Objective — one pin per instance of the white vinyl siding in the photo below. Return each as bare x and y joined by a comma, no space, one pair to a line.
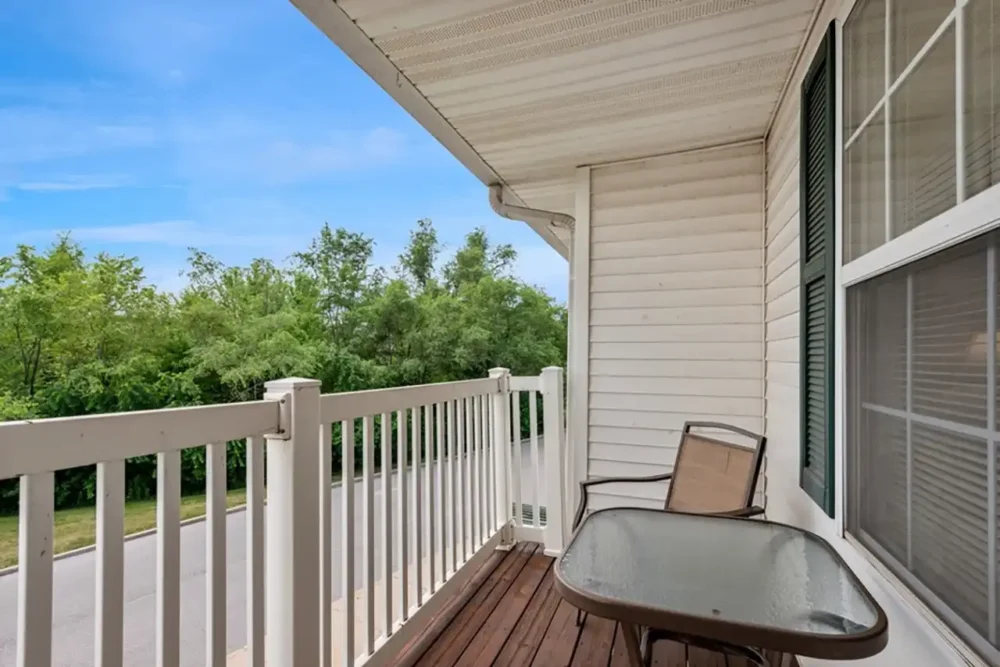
675,309
781,295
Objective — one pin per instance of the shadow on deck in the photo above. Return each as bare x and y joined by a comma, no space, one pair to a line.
509,615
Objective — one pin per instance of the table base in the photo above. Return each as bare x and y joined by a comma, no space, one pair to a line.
639,648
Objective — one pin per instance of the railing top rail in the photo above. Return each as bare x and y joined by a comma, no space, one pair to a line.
525,383
34,446
349,405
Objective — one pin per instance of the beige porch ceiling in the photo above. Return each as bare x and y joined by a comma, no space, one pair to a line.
526,91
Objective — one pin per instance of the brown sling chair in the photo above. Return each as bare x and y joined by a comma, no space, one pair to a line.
710,476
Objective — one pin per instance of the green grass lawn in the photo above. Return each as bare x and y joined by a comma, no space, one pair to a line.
75,528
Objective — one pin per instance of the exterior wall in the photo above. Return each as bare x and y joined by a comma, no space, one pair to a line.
916,637
675,308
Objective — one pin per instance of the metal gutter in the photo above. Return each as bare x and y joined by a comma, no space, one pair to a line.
532,216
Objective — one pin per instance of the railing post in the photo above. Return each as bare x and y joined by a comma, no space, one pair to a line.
501,453
552,404
292,549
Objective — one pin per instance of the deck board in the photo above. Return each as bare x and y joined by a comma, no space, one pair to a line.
515,618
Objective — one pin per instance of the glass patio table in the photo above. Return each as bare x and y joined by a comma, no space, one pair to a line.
727,584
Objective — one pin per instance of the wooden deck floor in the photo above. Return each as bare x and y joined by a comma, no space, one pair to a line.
509,615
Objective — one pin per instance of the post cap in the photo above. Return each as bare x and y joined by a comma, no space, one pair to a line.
288,384
497,372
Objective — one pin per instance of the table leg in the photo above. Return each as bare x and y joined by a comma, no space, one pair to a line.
631,635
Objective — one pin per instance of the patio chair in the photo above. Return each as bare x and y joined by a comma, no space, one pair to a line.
710,476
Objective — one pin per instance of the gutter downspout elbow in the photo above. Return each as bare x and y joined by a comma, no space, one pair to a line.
524,214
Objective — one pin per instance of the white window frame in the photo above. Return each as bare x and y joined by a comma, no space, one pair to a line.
970,217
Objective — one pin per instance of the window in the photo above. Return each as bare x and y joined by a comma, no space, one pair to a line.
921,135
907,157
816,238
923,428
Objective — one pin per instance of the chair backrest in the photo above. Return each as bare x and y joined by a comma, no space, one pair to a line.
712,475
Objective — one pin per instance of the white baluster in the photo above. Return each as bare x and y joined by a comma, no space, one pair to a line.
387,519
418,514
325,545
255,551
34,558
347,541
110,594
403,513
368,564
215,554
429,480
168,559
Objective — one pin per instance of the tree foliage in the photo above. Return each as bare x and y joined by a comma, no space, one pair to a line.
85,335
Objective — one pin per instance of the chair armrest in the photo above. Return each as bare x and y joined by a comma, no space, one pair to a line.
581,509
743,513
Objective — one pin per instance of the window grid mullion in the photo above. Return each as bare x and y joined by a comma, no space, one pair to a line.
991,424
960,101
887,77
909,421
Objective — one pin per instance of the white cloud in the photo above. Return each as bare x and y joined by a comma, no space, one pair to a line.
240,149
176,233
76,183
33,134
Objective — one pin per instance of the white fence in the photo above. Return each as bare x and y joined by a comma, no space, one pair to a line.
456,487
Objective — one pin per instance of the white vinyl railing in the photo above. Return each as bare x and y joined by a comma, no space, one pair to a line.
452,485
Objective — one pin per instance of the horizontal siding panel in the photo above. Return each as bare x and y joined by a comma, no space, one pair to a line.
697,187
677,369
693,279
661,454
784,260
678,245
675,333
783,350
784,327
651,496
706,315
707,261
685,208
744,407
786,230
674,387
665,420
664,298
607,468
783,303
659,229
783,372
783,283
674,169
680,351
643,437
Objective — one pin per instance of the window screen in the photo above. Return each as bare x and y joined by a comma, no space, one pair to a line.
923,410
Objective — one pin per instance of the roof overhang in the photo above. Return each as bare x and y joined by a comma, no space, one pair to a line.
524,92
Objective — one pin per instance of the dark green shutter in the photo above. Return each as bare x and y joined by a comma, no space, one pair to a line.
816,236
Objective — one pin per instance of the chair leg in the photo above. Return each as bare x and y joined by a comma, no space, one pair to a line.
581,617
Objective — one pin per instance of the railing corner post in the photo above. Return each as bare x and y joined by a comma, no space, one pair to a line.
292,543
552,405
501,453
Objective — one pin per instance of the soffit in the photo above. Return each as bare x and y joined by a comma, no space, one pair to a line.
538,88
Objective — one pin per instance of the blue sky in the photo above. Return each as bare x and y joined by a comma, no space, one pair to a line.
233,126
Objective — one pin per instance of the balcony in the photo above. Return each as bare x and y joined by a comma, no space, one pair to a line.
470,489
